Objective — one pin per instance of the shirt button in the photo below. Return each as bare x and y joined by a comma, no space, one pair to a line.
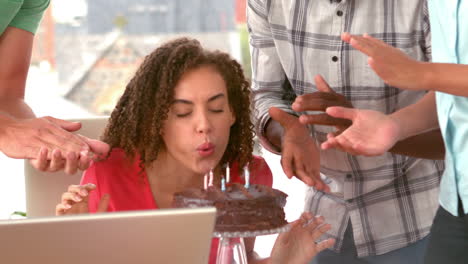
339,13
335,58
349,176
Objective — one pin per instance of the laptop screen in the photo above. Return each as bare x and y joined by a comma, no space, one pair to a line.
156,236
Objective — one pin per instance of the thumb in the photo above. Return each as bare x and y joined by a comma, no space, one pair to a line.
67,125
97,146
342,112
103,203
282,117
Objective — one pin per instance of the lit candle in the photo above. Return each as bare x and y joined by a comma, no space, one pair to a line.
211,178
247,176
223,184
205,181
228,178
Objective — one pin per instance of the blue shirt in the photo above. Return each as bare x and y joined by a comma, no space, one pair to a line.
449,28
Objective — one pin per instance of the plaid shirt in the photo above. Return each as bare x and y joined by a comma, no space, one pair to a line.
389,199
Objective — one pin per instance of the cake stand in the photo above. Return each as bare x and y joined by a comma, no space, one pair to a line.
231,249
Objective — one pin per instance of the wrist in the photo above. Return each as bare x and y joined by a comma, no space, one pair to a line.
427,74
401,132
5,122
274,133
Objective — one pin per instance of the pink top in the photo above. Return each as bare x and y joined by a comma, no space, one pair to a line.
129,190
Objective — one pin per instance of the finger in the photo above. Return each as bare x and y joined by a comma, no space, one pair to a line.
324,119
286,120
285,236
61,209
346,144
57,161
101,149
342,112
327,243
287,163
302,175
71,198
375,41
312,223
329,143
71,164
67,125
332,142
364,45
41,163
82,190
84,161
103,203
346,37
319,231
322,85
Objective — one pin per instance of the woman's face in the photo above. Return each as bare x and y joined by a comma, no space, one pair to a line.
196,132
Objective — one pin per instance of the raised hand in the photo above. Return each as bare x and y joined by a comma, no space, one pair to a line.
49,145
298,245
320,101
372,133
75,200
300,155
389,63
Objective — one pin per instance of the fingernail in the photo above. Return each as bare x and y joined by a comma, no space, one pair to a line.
77,198
83,192
91,185
67,206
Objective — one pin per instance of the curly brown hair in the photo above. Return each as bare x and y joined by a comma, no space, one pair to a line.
136,122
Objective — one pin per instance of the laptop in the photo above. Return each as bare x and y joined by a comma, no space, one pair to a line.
44,189
156,236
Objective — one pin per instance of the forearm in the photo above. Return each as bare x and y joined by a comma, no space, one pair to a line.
15,52
428,145
446,77
417,118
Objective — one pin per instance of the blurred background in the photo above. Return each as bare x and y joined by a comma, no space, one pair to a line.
86,51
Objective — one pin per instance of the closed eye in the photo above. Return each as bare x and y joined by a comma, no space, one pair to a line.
183,115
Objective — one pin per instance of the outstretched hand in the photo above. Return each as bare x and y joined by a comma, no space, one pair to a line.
372,133
389,63
49,144
75,200
298,245
300,155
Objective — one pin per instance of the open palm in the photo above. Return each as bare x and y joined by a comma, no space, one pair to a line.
372,133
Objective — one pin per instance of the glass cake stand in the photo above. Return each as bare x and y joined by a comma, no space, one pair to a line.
231,249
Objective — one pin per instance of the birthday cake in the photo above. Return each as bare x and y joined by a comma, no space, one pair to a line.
239,209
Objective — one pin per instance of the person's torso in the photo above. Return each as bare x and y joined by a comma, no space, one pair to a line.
450,45
307,39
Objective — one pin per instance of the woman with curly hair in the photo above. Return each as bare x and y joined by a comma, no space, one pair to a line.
185,112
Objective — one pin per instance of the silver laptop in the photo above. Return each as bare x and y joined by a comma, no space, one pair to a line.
159,236
43,189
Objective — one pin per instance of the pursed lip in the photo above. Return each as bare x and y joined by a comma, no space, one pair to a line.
206,149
